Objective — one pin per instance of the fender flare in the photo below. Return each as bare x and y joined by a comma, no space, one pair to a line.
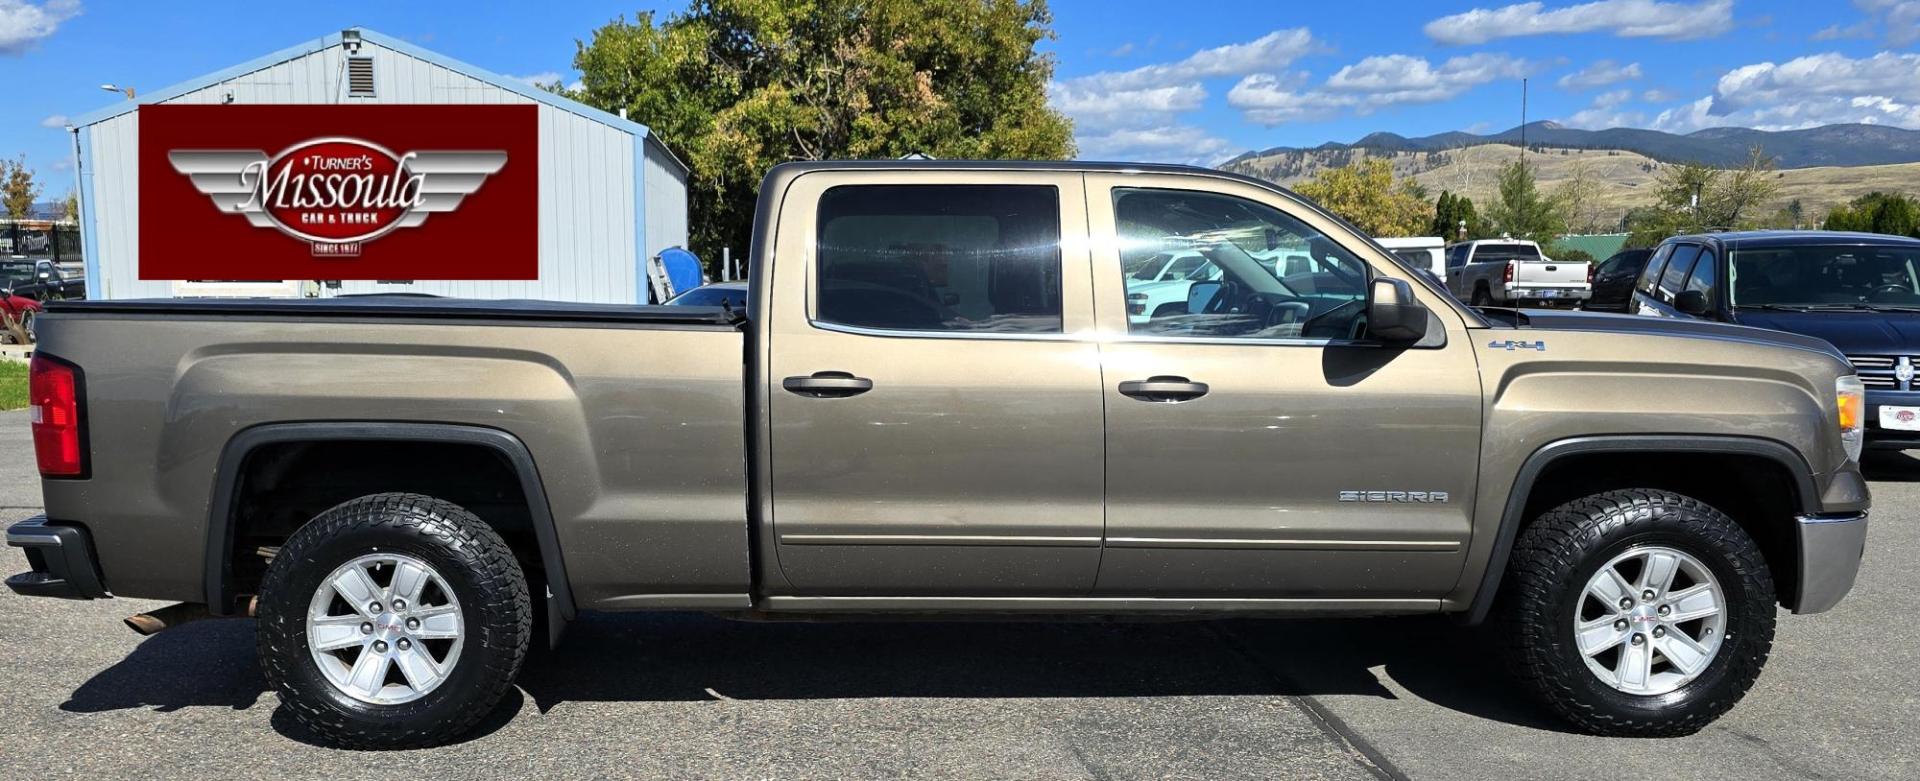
1511,517
233,458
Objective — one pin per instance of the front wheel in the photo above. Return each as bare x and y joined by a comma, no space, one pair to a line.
393,621
1638,613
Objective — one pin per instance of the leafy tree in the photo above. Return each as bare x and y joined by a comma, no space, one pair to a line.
70,206
1579,198
736,86
1890,213
1366,194
1739,195
1521,210
17,188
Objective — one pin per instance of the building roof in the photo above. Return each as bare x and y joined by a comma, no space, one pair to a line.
1600,245
379,39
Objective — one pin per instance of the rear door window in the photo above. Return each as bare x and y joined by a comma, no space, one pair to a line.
973,258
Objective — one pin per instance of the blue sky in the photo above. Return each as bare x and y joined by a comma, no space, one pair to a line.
1183,82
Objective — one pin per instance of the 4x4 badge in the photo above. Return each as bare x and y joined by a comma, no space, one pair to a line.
1517,344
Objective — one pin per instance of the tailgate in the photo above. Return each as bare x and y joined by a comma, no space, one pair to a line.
1549,273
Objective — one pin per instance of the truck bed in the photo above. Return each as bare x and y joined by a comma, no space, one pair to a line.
633,417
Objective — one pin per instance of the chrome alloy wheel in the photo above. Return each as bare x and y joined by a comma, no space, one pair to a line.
1650,621
385,628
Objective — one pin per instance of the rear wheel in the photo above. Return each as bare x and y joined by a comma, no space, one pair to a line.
393,621
1637,612
26,324
1481,297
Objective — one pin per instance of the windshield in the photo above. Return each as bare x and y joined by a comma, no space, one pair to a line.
17,274
1826,277
712,295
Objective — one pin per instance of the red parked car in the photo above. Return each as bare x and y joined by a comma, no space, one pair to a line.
24,310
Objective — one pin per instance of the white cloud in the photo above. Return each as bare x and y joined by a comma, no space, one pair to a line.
1131,114
1901,18
1159,144
1600,74
1605,112
55,120
1658,95
1094,108
1808,91
23,24
1624,18
1272,51
1122,50
1369,85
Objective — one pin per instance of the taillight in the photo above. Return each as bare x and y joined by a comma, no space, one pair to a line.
1507,276
53,388
1590,269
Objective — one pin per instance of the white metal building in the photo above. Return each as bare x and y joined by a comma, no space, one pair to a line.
611,195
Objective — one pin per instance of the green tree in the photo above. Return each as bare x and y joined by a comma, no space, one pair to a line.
737,86
70,206
1521,211
1735,200
1450,212
18,190
1366,194
1877,212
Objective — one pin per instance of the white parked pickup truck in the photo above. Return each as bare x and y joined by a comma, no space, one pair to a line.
1512,272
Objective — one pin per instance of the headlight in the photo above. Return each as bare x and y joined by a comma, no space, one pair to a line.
1852,404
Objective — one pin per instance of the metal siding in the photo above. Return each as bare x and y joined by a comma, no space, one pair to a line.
666,204
589,242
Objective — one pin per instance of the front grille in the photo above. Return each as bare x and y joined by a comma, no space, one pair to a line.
1885,372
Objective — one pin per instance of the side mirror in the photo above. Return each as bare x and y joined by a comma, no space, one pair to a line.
1199,295
1393,314
1691,302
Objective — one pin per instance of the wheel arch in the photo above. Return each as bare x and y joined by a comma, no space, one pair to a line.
235,455
1804,494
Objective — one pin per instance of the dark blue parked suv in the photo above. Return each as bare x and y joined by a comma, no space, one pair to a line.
1858,291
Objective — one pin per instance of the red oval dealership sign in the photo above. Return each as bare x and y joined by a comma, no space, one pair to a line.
338,192
336,189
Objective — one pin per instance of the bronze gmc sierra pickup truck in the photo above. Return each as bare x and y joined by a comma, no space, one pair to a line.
938,401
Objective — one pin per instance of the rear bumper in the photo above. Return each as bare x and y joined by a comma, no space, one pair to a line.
60,558
1831,547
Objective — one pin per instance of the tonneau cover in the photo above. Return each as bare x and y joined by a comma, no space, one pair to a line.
410,307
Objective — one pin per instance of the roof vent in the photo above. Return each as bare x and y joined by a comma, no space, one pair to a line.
359,77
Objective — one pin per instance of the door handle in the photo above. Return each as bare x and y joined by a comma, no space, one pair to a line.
1163,388
828,385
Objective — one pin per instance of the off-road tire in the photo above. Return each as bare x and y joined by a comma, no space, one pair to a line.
494,605
1554,557
1481,297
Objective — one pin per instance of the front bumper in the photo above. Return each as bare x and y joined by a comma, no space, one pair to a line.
61,561
1831,546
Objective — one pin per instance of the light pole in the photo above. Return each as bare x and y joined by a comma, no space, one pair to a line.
128,91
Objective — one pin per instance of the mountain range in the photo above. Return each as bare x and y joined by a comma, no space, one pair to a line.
1827,145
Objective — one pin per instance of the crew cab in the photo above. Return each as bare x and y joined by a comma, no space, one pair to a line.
937,402
1512,272
1858,291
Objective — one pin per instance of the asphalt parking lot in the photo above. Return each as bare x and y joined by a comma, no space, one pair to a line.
682,696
